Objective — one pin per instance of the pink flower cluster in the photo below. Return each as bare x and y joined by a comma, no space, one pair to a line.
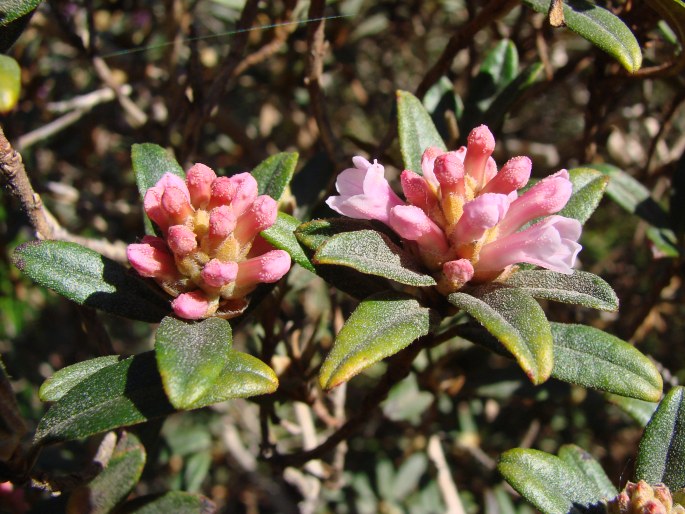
463,217
210,256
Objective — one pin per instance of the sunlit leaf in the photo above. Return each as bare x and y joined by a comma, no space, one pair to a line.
274,173
588,466
10,83
281,235
416,130
65,379
588,189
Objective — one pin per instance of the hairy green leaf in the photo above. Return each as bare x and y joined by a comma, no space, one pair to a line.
661,457
416,130
381,326
588,189
592,358
517,321
65,379
282,235
275,173
190,357
600,27
588,466
372,253
579,288
89,279
176,502
552,485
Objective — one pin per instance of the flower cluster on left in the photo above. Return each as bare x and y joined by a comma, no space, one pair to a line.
209,256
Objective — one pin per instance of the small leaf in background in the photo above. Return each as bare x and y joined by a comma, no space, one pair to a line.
190,357
122,394
588,466
592,358
10,83
661,457
281,235
406,402
380,326
588,189
373,253
90,279
517,321
641,411
65,379
600,27
673,12
275,173
579,288
416,130
113,483
150,162
176,502
442,101
552,485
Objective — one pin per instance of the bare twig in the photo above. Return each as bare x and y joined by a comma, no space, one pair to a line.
448,488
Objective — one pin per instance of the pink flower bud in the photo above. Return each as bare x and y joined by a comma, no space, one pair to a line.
449,171
267,268
217,273
364,192
481,144
481,214
550,244
417,192
171,180
413,224
176,204
513,175
222,223
152,203
151,261
181,240
428,163
458,272
193,305
222,192
246,191
546,197
199,179
260,216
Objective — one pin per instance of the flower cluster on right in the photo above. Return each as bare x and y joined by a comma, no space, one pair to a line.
462,216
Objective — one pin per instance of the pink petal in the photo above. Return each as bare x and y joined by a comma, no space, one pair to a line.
181,240
449,171
171,180
551,244
222,222
193,305
151,262
481,214
218,273
222,192
458,272
411,223
246,191
199,179
548,196
481,144
513,176
364,194
152,203
428,163
260,216
176,204
267,268
417,192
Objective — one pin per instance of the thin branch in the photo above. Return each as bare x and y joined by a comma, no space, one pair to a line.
448,488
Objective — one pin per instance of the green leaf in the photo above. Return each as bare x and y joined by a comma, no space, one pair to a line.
122,394
588,466
673,12
588,189
552,485
640,410
178,502
282,235
579,288
243,376
373,253
150,163
65,379
592,358
89,279
14,17
600,27
313,234
10,83
517,321
661,457
274,174
381,326
416,130
112,484
506,98
190,357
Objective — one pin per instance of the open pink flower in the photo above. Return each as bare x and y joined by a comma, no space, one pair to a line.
364,192
464,218
208,226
